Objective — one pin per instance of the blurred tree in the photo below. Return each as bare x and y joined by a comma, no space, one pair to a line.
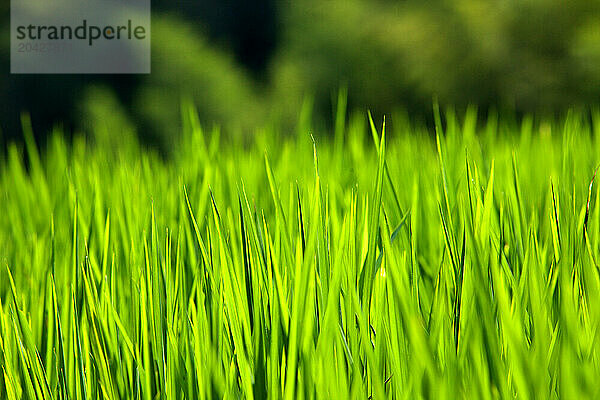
248,31
534,55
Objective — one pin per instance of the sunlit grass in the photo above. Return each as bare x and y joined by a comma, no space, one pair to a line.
402,264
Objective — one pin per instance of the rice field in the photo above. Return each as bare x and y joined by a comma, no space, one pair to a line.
402,263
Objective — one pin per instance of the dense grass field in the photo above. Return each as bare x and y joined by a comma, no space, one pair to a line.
460,263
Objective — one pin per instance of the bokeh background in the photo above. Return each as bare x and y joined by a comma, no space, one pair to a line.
247,64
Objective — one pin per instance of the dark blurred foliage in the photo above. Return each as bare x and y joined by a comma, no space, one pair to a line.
247,63
531,55
248,29
208,51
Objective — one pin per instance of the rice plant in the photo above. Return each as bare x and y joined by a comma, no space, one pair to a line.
373,263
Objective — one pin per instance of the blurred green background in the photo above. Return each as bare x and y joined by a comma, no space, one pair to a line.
247,64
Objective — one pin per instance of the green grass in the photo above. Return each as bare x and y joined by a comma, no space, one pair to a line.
461,264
